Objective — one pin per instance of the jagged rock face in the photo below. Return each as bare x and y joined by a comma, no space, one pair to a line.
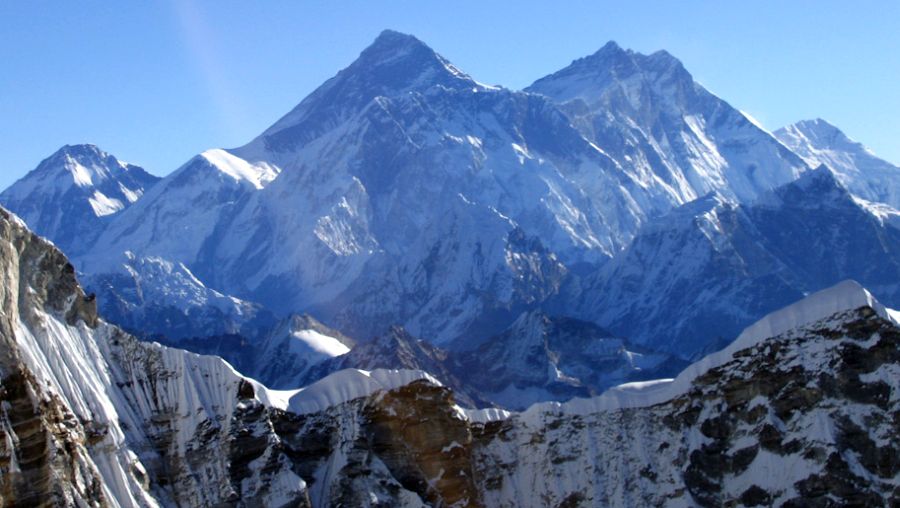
799,399
93,417
805,418
43,456
71,196
408,447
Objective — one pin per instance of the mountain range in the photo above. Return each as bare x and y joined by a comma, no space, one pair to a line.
610,223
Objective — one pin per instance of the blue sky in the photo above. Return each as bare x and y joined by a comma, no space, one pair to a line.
157,82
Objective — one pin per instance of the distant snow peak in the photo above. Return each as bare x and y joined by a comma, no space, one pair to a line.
855,166
70,196
391,44
406,53
394,65
88,165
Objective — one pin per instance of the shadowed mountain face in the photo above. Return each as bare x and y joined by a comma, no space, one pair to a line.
538,358
697,276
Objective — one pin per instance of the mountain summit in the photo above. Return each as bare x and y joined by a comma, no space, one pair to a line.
393,64
675,138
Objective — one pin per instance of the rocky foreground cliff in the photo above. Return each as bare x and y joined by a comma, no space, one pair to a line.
90,416
802,410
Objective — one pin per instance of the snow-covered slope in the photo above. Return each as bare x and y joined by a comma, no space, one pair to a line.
692,279
139,265
72,194
348,385
854,165
175,217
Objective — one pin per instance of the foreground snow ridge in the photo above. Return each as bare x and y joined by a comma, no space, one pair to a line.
344,386
846,295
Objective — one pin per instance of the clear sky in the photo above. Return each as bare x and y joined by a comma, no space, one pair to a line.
157,82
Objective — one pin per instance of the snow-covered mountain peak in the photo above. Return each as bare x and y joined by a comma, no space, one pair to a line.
819,141
84,161
855,166
610,51
819,132
671,135
588,77
391,45
70,195
402,61
819,178
85,166
285,355
305,334
394,64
